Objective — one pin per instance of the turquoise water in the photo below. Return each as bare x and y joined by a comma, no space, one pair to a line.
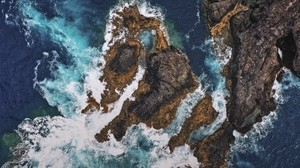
148,39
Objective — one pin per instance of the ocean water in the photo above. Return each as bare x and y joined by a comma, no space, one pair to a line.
51,53
275,141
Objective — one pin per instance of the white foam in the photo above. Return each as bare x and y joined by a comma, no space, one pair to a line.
36,68
93,84
54,61
184,109
290,80
160,155
223,51
35,79
249,141
279,52
108,35
58,144
216,65
181,157
128,91
148,10
69,141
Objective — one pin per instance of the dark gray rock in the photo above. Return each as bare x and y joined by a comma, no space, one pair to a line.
255,62
296,37
219,9
168,72
125,59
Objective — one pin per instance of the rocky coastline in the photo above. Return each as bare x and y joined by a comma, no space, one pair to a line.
255,30
257,33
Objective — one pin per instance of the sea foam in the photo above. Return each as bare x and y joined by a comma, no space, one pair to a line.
216,59
68,140
250,142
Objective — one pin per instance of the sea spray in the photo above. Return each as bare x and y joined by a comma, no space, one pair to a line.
54,142
216,60
249,142
185,107
64,89
68,140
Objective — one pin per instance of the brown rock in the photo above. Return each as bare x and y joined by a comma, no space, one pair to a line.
123,58
92,104
158,95
219,9
121,67
212,151
202,114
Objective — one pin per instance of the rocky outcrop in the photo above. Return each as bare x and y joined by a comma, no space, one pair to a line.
123,58
296,42
255,62
158,96
202,114
217,10
256,30
121,67
213,150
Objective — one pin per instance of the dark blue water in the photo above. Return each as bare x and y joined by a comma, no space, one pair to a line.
281,147
18,58
192,28
18,98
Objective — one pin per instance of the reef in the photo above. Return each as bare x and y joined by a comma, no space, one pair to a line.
255,30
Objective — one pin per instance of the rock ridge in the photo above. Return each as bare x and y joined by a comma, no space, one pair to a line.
257,33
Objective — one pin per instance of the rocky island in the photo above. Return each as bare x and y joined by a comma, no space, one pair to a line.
255,30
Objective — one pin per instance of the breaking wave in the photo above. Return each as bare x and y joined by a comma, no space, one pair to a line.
249,142
75,68
215,61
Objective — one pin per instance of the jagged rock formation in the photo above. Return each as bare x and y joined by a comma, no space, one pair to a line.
255,62
123,58
256,32
202,114
167,80
158,95
210,151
